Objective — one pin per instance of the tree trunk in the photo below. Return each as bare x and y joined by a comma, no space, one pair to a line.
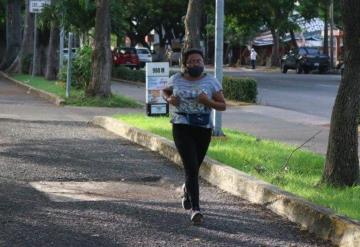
275,57
100,84
2,41
342,163
162,42
2,29
193,24
293,39
52,62
326,32
23,60
13,32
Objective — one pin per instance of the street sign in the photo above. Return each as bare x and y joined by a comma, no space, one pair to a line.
157,75
36,6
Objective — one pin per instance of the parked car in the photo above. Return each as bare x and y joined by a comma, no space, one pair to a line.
126,56
305,59
144,55
174,56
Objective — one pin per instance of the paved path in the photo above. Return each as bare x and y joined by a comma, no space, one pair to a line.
65,183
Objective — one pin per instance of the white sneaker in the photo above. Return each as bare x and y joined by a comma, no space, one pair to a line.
196,217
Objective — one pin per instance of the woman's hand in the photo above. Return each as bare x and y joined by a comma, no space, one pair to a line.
173,100
203,99
217,102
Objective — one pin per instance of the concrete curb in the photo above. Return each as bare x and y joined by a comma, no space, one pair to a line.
41,93
137,83
319,220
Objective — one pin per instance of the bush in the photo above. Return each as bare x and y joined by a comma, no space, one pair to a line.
26,63
81,69
125,73
241,89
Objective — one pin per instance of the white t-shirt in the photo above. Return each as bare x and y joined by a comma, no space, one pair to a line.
253,55
188,92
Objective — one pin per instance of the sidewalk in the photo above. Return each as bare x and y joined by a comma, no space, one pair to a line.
67,183
262,121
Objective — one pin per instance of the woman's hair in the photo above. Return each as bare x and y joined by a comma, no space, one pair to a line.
188,52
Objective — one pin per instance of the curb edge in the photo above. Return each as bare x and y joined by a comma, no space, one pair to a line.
41,93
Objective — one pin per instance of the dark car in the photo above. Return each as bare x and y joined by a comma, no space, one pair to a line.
305,59
126,56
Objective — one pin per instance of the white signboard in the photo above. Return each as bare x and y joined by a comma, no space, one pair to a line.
36,6
157,75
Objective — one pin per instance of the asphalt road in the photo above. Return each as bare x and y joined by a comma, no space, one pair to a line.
65,183
312,94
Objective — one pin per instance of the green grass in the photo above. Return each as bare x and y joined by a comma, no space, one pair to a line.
265,159
77,97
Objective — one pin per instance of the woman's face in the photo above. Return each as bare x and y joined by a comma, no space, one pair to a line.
194,60
195,65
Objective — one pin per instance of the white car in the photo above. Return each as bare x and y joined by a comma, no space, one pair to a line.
144,55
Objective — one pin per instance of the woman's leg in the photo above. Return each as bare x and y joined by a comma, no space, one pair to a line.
202,138
186,145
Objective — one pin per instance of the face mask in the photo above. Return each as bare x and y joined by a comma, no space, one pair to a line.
195,71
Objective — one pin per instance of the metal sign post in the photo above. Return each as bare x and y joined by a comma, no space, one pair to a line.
36,6
157,75
68,78
61,48
34,49
219,46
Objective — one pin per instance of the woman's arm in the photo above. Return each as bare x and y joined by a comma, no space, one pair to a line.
171,99
217,102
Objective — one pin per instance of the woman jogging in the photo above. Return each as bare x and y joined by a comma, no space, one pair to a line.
194,94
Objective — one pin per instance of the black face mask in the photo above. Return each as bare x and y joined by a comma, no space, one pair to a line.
195,71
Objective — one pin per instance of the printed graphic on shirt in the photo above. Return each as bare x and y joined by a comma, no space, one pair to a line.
188,100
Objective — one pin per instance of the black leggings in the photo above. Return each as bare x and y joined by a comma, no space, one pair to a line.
192,144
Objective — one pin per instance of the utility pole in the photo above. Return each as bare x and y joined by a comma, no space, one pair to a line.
68,78
61,47
34,48
332,34
61,43
219,47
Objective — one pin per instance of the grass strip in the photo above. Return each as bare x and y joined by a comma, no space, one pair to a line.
77,96
264,159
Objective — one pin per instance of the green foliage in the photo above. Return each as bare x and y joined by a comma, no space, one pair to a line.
311,9
241,89
125,73
26,62
77,97
78,15
81,69
2,12
161,15
119,14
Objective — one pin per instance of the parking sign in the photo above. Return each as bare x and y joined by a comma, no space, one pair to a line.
36,6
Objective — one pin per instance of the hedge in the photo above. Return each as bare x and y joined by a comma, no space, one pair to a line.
125,73
240,89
